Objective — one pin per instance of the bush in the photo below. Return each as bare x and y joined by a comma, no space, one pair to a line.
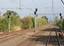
59,23
3,25
42,21
27,22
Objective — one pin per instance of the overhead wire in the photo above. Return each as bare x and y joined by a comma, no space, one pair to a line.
31,9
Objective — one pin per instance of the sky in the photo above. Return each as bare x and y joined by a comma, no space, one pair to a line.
28,7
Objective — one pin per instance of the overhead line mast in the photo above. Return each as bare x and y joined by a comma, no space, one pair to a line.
19,4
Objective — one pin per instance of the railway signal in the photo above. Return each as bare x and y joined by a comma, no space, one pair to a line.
61,20
60,15
35,13
9,24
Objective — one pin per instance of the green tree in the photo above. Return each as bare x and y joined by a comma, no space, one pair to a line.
11,16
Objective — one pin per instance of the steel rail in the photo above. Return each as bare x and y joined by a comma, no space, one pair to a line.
48,39
58,41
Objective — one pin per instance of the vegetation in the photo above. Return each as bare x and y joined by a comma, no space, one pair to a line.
3,25
12,19
27,22
59,23
42,21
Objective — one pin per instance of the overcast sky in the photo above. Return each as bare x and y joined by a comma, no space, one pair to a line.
44,7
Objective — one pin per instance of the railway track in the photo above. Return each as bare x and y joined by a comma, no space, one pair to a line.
55,40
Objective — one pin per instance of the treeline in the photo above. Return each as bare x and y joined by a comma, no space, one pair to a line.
12,19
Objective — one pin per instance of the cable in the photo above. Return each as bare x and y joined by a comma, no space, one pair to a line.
62,2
